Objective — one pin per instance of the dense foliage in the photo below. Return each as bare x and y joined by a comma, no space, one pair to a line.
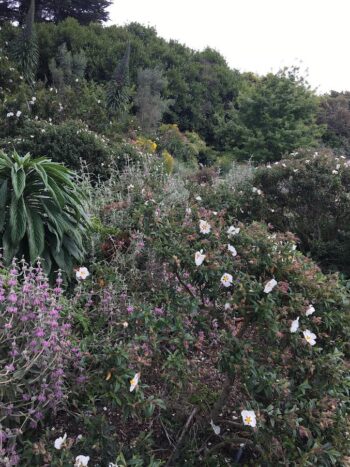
41,212
85,11
308,194
168,302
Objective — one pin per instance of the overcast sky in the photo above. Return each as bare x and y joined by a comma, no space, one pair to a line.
256,35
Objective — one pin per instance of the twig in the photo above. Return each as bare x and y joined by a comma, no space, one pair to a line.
176,451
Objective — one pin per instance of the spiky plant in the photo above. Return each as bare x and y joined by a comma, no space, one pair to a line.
118,93
41,212
26,49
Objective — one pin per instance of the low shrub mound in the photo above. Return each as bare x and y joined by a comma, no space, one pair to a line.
224,321
308,194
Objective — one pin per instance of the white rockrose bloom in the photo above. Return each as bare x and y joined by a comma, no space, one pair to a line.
295,325
269,286
199,257
249,418
226,280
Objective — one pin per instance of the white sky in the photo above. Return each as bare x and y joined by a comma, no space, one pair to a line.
256,35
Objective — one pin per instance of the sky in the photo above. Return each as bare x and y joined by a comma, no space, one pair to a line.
256,35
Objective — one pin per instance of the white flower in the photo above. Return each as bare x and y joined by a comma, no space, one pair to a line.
76,80
256,190
227,306
81,461
199,257
18,113
112,465
226,280
204,227
310,337
337,166
198,198
232,250
125,324
82,273
215,428
233,231
295,325
270,286
134,382
310,310
334,172
60,442
10,114
33,98
248,417
215,213
188,211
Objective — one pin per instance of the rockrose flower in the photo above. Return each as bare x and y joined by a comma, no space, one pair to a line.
226,280
81,461
204,227
270,286
134,382
310,310
249,418
232,231
60,442
295,325
82,273
232,250
199,258
310,337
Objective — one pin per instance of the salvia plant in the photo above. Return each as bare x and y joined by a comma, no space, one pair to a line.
37,356
41,212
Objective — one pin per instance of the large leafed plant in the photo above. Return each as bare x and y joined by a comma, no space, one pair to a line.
41,212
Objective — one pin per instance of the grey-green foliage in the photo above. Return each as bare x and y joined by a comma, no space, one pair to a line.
41,212
118,90
67,67
150,103
26,49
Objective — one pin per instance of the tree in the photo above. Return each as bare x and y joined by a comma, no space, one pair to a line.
118,92
85,11
149,101
335,114
273,116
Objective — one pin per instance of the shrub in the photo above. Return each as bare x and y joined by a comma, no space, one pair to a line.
41,212
223,345
40,365
70,143
306,193
171,139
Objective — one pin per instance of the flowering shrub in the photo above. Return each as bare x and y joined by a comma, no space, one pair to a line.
194,312
308,194
39,361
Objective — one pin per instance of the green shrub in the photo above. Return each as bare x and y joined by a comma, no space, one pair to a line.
41,212
308,194
71,143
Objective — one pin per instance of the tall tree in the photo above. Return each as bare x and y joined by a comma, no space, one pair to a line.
85,11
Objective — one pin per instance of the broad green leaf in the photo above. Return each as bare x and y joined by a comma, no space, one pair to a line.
3,199
36,237
18,178
18,219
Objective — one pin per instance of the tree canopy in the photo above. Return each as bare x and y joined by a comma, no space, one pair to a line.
85,11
